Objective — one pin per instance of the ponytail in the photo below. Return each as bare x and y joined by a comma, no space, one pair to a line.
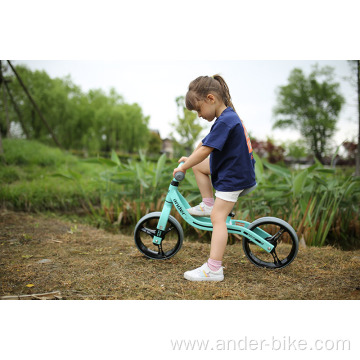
202,86
225,91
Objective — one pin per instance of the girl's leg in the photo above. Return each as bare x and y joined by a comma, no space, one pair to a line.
202,176
219,236
212,270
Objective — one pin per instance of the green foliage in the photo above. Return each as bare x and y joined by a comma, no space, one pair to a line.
30,152
296,149
311,105
93,121
134,188
27,184
188,126
9,175
155,143
321,204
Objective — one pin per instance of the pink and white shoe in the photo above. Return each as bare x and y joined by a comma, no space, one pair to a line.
203,273
200,210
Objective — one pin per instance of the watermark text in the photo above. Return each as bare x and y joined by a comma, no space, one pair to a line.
285,343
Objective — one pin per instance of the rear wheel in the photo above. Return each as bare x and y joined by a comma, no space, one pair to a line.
145,231
280,234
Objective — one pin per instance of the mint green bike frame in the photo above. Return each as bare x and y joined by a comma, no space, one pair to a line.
239,227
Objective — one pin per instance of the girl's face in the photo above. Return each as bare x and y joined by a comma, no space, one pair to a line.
207,109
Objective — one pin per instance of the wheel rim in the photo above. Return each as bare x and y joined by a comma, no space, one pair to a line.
145,232
285,246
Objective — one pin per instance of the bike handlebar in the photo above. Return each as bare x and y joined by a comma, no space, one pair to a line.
179,176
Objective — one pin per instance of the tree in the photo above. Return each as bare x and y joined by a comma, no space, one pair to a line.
311,105
1,146
188,125
37,97
357,172
155,143
355,67
92,121
296,149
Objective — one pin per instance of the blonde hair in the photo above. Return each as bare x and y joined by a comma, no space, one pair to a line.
204,85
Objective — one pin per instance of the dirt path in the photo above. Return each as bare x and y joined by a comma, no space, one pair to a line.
41,255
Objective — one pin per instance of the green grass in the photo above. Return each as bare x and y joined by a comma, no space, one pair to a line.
322,204
28,182
30,152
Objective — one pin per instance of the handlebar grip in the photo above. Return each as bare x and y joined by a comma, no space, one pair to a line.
179,176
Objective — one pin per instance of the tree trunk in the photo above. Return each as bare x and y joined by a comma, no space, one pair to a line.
6,110
34,104
17,111
315,147
2,86
357,170
2,156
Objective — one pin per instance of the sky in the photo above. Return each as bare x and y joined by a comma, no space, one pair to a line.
154,85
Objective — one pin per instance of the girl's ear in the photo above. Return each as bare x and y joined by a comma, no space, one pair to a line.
210,97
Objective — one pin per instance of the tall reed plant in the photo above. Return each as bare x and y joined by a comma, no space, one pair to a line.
320,203
317,201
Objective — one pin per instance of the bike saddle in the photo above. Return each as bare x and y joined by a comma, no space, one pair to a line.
248,190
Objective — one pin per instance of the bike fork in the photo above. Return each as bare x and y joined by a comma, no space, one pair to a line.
161,227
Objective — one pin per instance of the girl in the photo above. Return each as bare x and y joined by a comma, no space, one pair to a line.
231,166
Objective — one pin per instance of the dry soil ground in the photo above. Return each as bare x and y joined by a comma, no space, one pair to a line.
43,257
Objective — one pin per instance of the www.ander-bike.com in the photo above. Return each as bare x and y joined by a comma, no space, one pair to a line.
285,343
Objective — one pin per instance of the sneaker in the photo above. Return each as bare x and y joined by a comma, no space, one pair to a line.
203,273
200,210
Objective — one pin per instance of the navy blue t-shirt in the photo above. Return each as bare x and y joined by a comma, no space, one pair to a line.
231,162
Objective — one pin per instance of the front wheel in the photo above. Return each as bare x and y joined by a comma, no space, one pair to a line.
145,231
280,234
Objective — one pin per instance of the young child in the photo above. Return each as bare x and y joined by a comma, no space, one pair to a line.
231,166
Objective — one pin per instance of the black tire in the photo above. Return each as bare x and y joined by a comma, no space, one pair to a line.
283,237
145,230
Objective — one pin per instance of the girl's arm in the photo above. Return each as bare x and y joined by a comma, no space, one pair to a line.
199,154
199,146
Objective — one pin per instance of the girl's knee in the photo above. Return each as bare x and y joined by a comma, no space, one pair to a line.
217,218
221,211
203,167
196,168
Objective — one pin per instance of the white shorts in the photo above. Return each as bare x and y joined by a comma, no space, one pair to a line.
231,196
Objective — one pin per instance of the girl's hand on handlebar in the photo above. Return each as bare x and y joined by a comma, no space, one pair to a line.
177,170
182,159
